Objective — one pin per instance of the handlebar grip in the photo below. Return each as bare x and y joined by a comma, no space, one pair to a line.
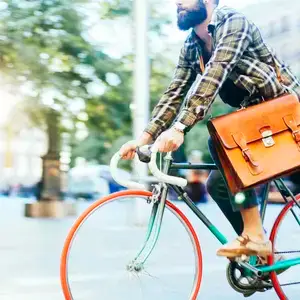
162,176
127,183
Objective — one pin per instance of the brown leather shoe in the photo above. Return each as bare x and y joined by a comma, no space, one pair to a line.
243,245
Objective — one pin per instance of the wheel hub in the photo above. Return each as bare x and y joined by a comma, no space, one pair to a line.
135,267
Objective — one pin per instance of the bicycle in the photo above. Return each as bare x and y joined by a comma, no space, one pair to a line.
245,275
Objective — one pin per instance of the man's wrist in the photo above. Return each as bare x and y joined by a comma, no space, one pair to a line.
145,139
178,126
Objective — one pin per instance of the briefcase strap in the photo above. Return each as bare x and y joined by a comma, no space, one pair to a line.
290,122
240,140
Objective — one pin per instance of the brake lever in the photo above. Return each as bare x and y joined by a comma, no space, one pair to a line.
144,153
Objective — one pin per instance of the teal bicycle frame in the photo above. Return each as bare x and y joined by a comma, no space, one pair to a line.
158,211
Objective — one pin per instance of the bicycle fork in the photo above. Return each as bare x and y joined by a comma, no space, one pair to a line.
154,226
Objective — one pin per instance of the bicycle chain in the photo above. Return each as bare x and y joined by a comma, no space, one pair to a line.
287,252
291,283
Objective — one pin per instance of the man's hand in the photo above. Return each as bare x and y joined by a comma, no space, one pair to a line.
169,140
128,150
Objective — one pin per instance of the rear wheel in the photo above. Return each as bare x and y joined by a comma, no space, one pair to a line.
285,237
105,239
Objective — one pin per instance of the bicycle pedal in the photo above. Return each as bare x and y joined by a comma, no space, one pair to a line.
244,258
249,294
241,259
266,284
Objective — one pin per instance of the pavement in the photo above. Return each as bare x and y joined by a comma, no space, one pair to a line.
30,252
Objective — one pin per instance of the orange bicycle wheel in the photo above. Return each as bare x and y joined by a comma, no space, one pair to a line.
285,237
167,272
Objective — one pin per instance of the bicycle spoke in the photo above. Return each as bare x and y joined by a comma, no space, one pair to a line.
141,285
290,283
148,274
163,283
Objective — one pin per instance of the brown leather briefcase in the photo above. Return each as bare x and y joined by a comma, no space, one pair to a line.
258,143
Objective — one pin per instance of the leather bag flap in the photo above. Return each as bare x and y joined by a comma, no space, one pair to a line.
254,120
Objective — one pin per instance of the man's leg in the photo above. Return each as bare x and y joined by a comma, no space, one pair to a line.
246,210
217,189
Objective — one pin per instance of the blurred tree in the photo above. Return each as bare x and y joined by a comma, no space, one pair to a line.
46,56
38,55
115,102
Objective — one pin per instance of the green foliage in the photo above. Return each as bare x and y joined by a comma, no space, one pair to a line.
40,39
115,9
44,45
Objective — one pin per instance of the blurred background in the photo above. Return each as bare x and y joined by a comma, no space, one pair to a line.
69,84
80,78
68,78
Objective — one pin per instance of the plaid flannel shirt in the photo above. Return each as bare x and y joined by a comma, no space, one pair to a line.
239,53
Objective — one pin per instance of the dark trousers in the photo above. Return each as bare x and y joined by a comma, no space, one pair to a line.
218,190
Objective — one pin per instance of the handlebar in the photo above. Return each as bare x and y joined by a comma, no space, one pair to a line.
144,153
162,177
114,173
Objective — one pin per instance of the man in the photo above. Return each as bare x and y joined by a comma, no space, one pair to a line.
241,69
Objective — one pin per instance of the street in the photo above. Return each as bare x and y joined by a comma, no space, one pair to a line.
30,253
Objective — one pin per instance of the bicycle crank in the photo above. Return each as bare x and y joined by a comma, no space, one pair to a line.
245,284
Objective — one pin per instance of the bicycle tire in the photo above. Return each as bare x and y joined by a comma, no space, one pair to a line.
273,236
129,193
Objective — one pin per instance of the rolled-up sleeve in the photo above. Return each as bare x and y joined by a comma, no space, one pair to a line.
169,105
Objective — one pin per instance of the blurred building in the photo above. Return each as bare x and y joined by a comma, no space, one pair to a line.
279,22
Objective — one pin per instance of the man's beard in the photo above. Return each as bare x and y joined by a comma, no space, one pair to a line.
187,19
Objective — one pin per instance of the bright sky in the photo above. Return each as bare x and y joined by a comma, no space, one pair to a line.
7,101
232,3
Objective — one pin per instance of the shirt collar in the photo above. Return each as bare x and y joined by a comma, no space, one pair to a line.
214,21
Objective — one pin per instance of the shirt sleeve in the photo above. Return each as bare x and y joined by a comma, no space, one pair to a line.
169,105
232,39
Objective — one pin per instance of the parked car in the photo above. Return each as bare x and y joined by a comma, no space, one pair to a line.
92,182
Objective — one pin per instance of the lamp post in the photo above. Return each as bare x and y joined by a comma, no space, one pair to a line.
141,84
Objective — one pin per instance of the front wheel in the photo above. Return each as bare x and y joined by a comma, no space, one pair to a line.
95,263
285,237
